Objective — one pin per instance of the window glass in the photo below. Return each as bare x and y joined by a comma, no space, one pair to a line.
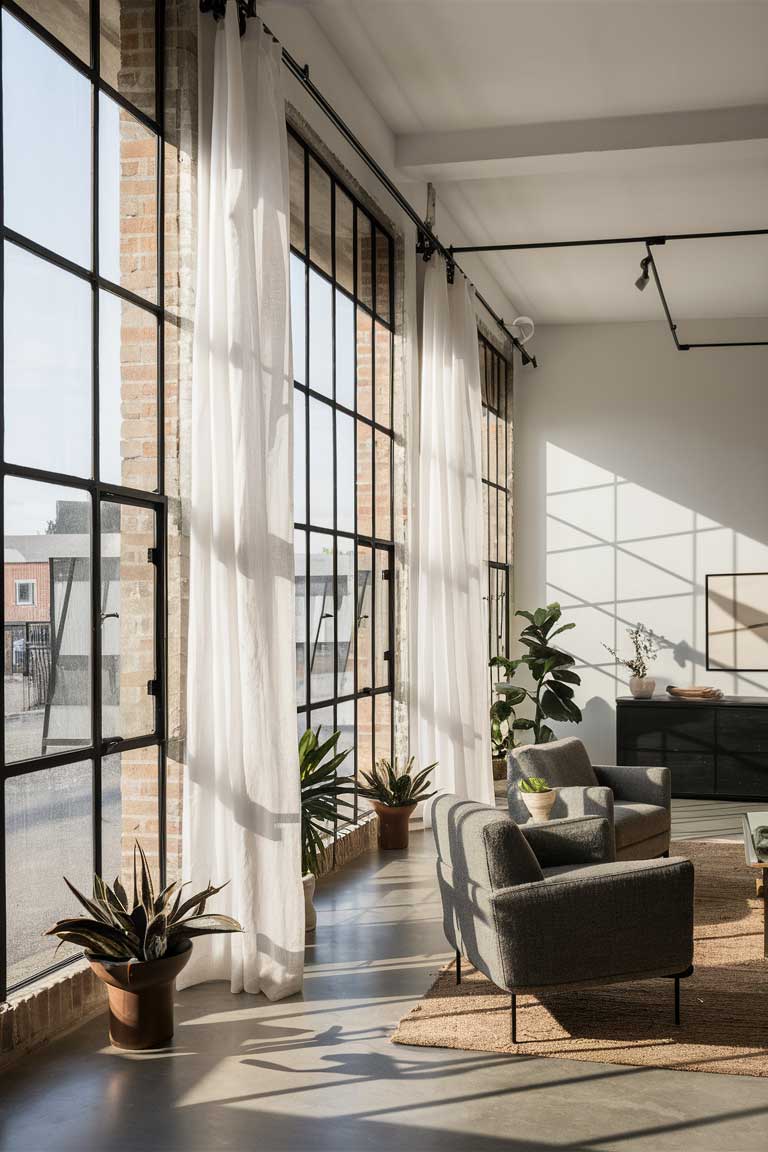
48,644
321,617
127,200
365,578
47,365
296,181
345,616
127,620
345,350
299,320
365,259
345,473
48,835
300,594
68,22
127,394
127,50
319,216
320,464
320,334
41,89
129,808
345,272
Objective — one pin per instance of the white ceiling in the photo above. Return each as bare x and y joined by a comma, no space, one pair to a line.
553,120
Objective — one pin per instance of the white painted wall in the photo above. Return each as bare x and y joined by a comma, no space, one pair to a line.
638,470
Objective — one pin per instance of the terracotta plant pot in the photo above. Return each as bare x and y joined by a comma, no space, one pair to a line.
499,767
393,825
539,804
140,998
642,687
310,915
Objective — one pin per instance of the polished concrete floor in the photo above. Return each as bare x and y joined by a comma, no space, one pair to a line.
319,1072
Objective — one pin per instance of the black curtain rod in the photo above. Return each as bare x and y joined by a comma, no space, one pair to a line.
610,240
427,240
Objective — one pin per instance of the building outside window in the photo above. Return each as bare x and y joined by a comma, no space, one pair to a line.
342,264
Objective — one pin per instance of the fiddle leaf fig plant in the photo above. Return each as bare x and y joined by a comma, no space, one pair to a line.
552,673
145,928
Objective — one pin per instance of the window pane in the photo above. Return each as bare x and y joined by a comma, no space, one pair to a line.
46,145
321,638
493,524
320,464
364,259
130,811
383,376
47,365
322,718
345,725
127,394
364,749
69,23
296,181
484,445
48,663
345,616
345,472
48,835
320,335
383,711
493,430
299,457
383,489
364,364
127,50
344,240
345,350
364,621
364,479
319,216
128,620
127,200
299,319
382,275
300,563
382,619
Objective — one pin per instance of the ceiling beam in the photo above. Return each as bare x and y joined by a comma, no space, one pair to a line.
525,148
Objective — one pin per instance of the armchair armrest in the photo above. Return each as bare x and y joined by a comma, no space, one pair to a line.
580,801
574,840
608,922
641,785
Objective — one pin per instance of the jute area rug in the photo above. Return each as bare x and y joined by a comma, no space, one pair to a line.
724,1004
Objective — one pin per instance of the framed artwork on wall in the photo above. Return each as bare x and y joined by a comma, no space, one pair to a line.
736,605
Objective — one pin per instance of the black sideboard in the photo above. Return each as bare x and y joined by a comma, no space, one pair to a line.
715,748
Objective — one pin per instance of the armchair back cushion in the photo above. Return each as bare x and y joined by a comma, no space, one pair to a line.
562,763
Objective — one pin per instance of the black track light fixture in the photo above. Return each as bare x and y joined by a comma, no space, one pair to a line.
642,281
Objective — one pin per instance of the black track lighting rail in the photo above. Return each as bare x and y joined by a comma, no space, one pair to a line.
646,263
427,242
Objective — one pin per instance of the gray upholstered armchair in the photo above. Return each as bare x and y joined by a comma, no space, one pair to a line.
635,801
545,907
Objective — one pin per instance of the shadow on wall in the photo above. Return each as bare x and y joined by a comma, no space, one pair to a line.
617,552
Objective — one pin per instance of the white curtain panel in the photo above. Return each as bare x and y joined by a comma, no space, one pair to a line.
241,801
452,679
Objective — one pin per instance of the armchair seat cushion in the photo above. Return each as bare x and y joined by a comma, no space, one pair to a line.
635,822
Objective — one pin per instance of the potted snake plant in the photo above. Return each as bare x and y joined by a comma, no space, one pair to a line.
138,947
394,793
321,798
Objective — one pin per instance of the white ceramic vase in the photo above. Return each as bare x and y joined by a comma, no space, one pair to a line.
539,804
642,687
310,915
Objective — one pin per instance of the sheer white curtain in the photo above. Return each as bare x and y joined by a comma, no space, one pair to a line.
241,801
452,683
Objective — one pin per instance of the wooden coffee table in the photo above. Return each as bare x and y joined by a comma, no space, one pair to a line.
752,821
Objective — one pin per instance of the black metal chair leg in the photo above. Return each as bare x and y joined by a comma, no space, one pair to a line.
677,1000
514,1018
458,966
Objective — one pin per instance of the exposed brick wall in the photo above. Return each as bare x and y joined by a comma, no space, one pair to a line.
40,1012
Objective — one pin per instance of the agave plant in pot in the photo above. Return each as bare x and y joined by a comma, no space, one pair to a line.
537,796
394,793
322,790
139,946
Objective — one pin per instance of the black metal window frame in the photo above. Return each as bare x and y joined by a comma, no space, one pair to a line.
376,543
496,375
98,491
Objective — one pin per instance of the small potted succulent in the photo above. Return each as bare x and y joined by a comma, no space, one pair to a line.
641,685
394,793
537,796
138,947
321,798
